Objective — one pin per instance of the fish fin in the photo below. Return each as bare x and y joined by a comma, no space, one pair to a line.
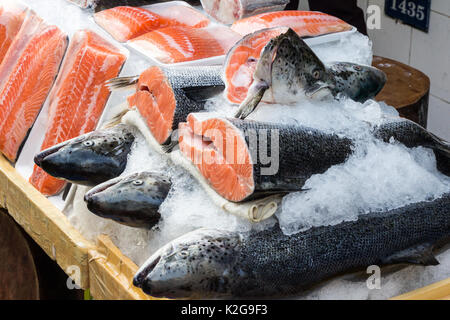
168,148
122,83
421,254
115,120
66,191
314,89
254,96
441,150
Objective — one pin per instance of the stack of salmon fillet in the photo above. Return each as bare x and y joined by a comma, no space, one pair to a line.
169,34
35,68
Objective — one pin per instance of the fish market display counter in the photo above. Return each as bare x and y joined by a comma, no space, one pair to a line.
99,267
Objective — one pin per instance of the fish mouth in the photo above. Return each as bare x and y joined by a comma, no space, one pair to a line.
100,188
40,157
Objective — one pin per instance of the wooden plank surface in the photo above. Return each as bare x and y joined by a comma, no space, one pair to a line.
47,225
111,273
436,291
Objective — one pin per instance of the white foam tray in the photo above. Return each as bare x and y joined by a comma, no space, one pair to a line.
219,60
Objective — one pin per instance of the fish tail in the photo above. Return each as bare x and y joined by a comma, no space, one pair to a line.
442,153
122,83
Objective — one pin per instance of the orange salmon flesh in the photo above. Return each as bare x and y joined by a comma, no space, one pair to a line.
220,153
27,73
125,23
179,44
79,96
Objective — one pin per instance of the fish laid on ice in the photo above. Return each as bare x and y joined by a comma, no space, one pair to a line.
125,23
78,97
305,23
228,11
180,44
289,71
89,159
11,18
225,152
216,263
165,96
132,200
27,73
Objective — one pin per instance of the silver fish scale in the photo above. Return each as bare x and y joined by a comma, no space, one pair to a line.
201,76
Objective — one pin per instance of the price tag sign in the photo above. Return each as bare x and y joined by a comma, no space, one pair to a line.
413,12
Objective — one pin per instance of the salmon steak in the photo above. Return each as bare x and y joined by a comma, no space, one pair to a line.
11,19
179,44
27,73
79,96
304,23
125,23
225,151
164,97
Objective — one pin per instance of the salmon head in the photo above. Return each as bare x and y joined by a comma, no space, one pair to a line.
287,71
91,158
358,82
132,200
201,263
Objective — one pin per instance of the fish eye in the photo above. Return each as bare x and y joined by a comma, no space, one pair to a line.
316,74
88,143
357,68
138,182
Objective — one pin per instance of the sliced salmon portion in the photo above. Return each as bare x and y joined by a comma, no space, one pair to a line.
125,23
28,72
304,23
178,44
11,19
164,97
79,96
219,150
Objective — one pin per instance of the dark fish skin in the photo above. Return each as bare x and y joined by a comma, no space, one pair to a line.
290,71
91,158
268,264
132,200
304,151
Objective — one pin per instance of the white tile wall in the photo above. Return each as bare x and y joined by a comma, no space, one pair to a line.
430,53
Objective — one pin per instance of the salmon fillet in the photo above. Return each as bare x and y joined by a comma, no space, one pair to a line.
178,44
305,23
11,19
125,23
27,75
79,96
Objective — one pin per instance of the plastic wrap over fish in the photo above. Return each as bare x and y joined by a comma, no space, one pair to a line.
229,11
